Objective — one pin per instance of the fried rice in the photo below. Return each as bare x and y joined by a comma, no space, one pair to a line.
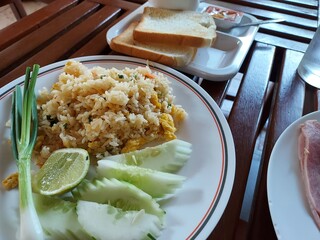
105,111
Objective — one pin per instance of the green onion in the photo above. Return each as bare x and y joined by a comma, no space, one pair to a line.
24,131
150,236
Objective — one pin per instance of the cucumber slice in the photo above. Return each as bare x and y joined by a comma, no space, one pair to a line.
118,194
58,218
103,221
57,235
167,157
155,183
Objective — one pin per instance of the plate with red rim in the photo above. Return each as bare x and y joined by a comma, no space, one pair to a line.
289,208
195,209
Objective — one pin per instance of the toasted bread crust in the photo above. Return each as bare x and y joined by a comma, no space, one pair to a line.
143,53
179,40
186,28
125,44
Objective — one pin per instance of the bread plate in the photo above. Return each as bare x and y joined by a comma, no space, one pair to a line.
221,61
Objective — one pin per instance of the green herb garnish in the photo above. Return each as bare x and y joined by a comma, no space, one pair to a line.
24,131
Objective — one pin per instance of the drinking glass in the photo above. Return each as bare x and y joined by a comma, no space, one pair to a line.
309,67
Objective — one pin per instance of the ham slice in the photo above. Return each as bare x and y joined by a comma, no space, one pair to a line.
309,156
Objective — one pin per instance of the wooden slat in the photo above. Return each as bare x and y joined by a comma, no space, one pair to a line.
244,121
98,43
293,34
281,7
217,90
285,111
305,3
137,1
33,21
68,43
281,42
37,40
260,13
125,5
287,32
311,99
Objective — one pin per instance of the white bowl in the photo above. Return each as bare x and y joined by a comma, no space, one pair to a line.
176,4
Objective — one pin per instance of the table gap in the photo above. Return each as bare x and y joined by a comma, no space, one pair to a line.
253,174
232,91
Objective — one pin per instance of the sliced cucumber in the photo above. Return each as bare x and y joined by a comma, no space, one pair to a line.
155,183
58,218
55,234
112,223
118,194
167,157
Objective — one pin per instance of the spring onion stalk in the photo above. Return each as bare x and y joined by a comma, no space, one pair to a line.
23,134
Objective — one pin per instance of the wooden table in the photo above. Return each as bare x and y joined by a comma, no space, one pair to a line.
266,95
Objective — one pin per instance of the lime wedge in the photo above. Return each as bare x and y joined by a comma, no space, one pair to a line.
63,170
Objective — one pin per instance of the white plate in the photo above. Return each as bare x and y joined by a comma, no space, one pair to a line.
218,63
288,205
199,204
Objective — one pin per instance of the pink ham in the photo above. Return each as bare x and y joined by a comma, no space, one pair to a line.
309,156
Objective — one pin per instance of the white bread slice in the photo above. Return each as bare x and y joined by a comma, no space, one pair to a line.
187,28
175,56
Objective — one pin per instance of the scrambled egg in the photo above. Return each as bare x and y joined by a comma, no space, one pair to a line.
154,100
168,127
11,181
133,144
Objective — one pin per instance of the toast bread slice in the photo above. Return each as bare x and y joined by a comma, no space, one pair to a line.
186,28
170,55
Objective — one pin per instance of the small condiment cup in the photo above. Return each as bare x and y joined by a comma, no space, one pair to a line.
176,4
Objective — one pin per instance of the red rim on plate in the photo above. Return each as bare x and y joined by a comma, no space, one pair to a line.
213,206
